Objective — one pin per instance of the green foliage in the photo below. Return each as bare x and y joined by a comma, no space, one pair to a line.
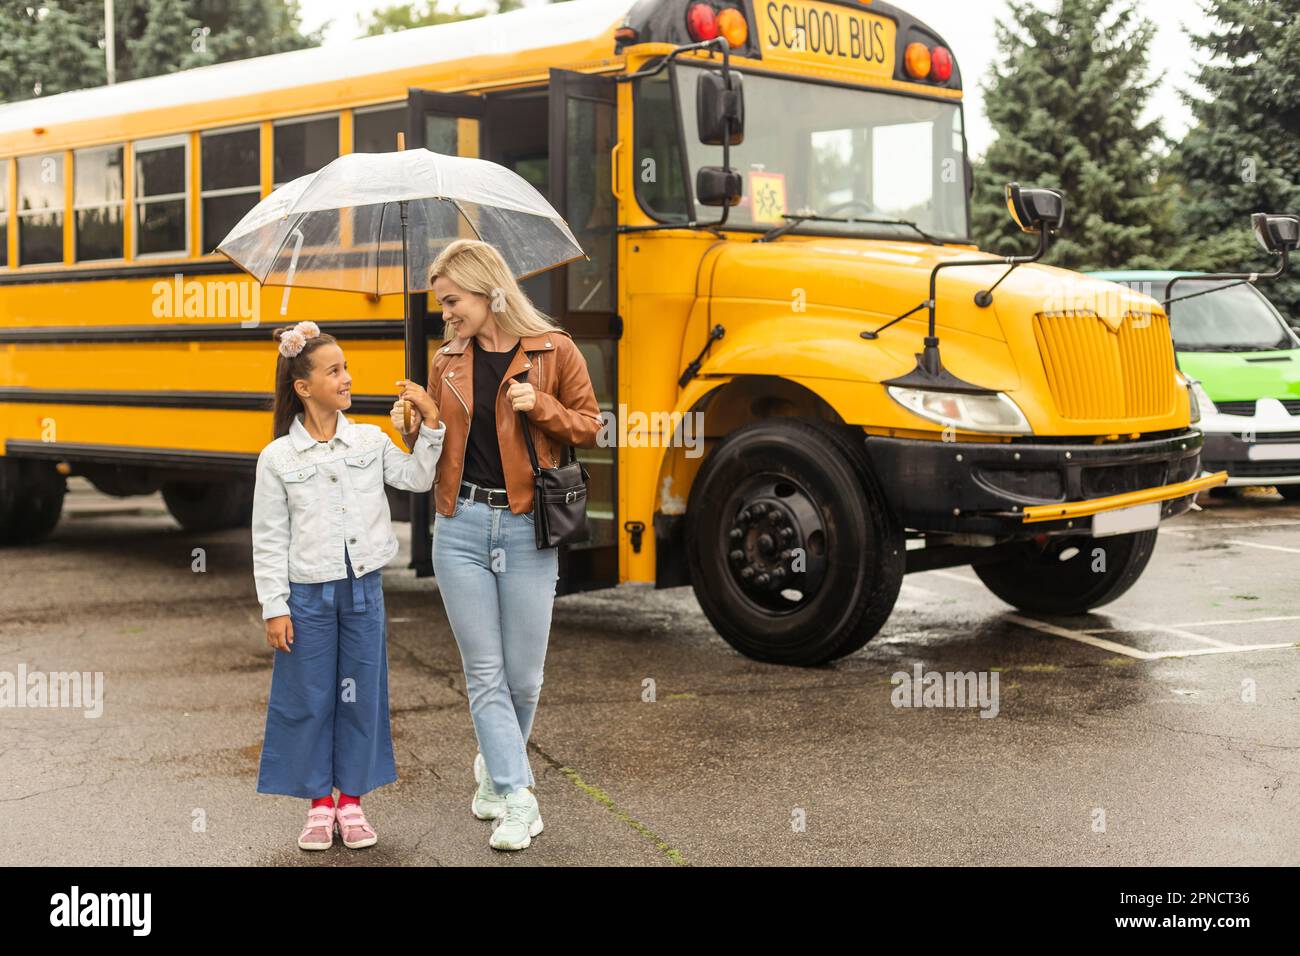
1066,105
50,46
405,16
1243,154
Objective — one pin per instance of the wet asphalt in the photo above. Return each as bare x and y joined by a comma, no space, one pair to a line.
1162,729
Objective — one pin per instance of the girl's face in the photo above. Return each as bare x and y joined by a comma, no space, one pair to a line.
465,313
329,387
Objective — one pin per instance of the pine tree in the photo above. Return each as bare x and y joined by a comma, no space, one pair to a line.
61,50
165,42
48,46
1066,107
1243,154
18,27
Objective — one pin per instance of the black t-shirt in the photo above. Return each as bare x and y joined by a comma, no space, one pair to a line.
482,452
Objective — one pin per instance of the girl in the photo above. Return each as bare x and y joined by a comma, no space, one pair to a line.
496,585
321,537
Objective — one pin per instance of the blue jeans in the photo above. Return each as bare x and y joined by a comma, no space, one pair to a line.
498,588
327,722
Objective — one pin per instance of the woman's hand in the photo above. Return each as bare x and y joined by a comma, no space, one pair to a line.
279,632
423,402
522,396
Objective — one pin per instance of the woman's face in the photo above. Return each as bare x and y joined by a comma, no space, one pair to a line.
330,384
465,313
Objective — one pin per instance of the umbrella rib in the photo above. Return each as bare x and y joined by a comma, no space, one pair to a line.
280,248
478,235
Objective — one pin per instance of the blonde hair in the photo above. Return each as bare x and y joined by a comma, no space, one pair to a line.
477,266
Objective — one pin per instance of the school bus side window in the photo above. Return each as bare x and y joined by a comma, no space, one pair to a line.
40,209
231,180
303,146
374,131
657,156
161,219
97,202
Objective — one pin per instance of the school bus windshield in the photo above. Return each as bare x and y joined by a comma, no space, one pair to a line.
813,148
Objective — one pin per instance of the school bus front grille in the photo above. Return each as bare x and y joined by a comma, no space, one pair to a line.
1097,373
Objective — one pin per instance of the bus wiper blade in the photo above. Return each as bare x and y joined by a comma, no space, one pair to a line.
785,227
903,222
796,219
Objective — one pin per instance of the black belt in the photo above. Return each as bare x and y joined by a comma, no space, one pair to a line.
485,495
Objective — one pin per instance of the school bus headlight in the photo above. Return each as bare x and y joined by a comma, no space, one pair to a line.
976,413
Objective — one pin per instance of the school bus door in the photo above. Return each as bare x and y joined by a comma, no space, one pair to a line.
447,123
584,297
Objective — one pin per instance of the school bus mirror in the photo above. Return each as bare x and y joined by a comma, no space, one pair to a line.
716,107
1276,233
1035,209
717,186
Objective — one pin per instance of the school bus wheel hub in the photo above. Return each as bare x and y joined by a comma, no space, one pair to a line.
775,522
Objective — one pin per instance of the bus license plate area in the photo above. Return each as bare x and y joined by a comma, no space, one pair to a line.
1283,452
1126,520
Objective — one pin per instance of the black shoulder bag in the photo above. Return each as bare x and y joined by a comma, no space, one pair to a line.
559,497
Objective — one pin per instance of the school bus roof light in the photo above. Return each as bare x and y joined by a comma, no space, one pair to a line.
940,64
702,22
732,25
918,61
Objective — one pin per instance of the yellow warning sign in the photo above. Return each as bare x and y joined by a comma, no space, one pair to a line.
768,190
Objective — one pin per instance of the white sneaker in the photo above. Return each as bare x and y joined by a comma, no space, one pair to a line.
522,821
487,804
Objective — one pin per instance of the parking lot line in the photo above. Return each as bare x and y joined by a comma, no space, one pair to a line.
1070,634
1184,624
1133,624
1235,525
1087,636
1263,547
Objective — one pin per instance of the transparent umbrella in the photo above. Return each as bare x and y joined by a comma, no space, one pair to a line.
375,222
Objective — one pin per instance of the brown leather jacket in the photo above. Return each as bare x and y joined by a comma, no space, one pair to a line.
566,413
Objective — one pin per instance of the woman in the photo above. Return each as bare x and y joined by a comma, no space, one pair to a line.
502,357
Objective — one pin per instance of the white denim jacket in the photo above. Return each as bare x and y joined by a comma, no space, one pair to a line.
314,499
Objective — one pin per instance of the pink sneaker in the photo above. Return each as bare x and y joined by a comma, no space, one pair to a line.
318,834
353,828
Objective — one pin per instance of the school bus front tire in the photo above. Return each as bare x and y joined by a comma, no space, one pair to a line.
795,557
1069,575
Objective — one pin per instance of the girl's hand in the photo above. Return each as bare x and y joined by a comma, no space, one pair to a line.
419,397
522,396
279,632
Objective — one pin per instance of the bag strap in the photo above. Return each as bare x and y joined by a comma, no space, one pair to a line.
571,455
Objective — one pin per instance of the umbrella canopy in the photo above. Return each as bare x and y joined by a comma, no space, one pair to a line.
340,227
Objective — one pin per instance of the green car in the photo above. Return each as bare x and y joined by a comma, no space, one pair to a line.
1244,361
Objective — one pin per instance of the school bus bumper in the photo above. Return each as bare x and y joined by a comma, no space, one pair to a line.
1027,488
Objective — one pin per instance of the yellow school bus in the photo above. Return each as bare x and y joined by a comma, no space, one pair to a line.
764,189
